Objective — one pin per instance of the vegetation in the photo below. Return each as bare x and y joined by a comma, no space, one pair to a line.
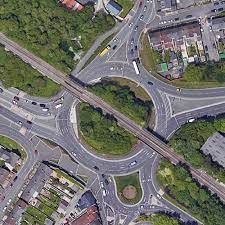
11,145
48,210
124,100
15,73
198,201
149,57
37,214
102,133
124,181
99,49
127,5
159,219
50,31
188,140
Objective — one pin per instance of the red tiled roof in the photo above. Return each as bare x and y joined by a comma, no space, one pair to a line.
69,3
10,221
85,219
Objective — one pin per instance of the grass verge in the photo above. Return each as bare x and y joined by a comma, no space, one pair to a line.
99,49
127,5
123,181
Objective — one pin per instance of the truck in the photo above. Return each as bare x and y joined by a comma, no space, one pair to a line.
105,50
136,67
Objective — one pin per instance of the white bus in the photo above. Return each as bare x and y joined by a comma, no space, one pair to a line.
136,67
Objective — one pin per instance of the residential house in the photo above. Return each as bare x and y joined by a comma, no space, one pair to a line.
114,8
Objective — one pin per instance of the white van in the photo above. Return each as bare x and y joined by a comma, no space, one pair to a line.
191,120
45,109
103,192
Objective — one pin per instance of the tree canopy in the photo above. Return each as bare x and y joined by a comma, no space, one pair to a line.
159,219
188,140
124,100
15,73
50,31
179,185
102,133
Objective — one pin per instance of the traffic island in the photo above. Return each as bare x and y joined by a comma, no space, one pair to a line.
101,133
127,97
129,189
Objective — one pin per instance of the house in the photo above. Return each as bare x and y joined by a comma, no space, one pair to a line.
4,177
72,5
37,182
215,147
86,200
114,8
10,158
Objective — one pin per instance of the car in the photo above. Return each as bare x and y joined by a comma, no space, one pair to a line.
159,10
206,47
103,192
45,109
130,24
145,7
214,45
71,171
178,89
106,181
177,19
141,17
159,197
191,120
135,47
132,41
102,184
74,154
210,28
1,90
42,105
15,178
16,98
147,1
9,201
96,168
19,122
36,151
216,3
4,208
14,102
150,83
114,47
140,4
116,39
132,51
188,16
213,10
110,179
135,29
142,206
29,122
138,60
220,9
34,103
111,68
132,163
202,30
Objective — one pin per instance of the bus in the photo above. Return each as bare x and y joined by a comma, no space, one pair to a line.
136,67
105,50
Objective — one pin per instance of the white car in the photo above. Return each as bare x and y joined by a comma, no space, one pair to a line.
74,154
191,120
102,184
159,197
111,68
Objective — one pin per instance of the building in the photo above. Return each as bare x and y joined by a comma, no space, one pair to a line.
11,159
86,200
4,177
37,182
114,8
215,147
71,5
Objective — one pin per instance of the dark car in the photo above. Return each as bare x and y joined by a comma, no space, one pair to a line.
213,10
1,90
34,103
132,51
206,47
29,122
220,9
176,19
42,105
188,16
16,98
138,60
135,29
114,47
96,168
150,83
216,3
15,178
106,182
135,47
